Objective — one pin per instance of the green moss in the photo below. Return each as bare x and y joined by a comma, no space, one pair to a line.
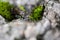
37,13
5,8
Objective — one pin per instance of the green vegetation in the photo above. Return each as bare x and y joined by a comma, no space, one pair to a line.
5,8
22,8
37,13
5,11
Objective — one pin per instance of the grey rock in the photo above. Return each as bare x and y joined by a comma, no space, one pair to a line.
56,8
48,26
52,11
52,35
43,25
3,32
53,14
23,2
2,20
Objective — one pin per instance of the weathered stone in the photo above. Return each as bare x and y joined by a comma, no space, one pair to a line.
2,20
48,28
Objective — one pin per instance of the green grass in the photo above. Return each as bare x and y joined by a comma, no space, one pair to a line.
37,13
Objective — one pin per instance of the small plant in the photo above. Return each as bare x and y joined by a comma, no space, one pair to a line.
5,8
37,13
21,8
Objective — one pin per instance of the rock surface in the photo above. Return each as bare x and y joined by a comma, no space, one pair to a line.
2,20
46,29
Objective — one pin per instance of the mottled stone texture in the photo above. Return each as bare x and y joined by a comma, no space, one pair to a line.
46,29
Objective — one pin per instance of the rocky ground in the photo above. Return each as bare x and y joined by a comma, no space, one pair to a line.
46,29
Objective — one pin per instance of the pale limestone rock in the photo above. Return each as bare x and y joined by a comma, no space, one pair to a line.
2,20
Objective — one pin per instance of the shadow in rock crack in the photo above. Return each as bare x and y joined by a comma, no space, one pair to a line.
39,37
22,38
